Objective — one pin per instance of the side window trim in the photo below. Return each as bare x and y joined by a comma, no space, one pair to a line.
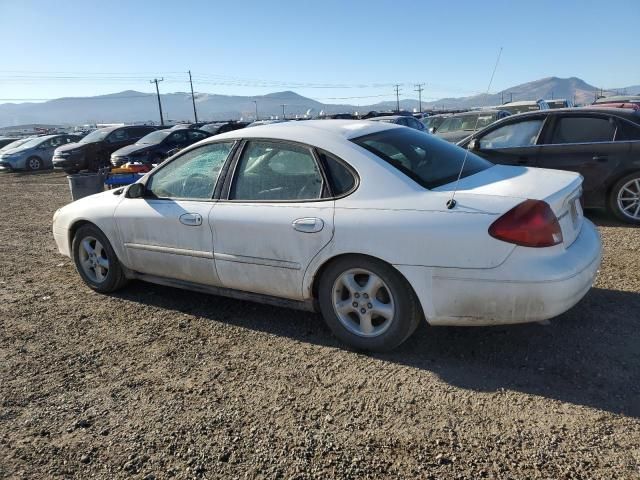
220,178
233,172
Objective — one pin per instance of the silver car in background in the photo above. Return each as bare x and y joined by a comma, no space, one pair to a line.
34,154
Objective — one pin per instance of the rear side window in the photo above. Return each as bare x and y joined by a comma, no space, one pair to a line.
428,160
339,176
583,130
276,171
627,131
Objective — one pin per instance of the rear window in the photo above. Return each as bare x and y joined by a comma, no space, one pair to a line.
428,160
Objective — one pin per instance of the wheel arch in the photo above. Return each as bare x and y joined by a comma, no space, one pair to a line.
314,282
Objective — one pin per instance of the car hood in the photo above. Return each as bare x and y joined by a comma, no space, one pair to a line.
70,146
13,151
132,149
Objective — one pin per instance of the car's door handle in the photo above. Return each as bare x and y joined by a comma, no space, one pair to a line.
191,219
308,224
600,158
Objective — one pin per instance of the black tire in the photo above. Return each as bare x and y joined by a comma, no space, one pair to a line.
407,312
115,277
33,164
613,199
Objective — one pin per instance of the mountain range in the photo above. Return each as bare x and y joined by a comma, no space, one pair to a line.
132,106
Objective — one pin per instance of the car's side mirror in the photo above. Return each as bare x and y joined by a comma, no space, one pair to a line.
474,144
135,190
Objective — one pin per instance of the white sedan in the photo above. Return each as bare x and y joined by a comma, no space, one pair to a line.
351,218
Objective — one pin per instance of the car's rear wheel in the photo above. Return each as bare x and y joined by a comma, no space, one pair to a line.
624,200
96,260
367,303
34,163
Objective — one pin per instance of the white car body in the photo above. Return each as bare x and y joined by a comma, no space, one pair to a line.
460,274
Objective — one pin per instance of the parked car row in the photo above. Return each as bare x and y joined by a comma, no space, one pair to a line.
34,153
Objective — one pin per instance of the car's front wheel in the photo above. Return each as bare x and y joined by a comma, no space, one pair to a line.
367,303
96,260
34,163
624,200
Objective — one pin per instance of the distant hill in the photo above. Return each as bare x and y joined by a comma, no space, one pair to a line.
133,106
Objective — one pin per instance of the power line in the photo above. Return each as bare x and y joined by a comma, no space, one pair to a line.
156,80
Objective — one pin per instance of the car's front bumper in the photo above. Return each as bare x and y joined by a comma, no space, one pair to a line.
527,287
71,162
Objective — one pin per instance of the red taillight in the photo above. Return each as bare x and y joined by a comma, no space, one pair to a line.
530,224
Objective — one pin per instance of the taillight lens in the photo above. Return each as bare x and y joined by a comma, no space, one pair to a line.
530,224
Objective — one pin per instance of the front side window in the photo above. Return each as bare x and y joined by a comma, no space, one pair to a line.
428,160
192,175
177,138
627,131
195,136
519,134
276,171
583,130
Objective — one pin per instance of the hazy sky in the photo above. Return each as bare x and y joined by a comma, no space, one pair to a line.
326,49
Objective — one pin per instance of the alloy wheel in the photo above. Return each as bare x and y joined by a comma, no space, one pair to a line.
629,199
363,302
93,259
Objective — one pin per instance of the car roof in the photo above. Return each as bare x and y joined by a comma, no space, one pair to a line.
618,99
388,117
477,112
520,103
620,112
303,131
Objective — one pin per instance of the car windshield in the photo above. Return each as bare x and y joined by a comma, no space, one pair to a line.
154,137
96,136
15,144
428,160
466,123
33,142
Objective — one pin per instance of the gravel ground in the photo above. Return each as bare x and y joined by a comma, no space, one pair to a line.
154,382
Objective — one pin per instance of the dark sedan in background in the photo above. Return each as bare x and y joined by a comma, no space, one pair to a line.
94,150
602,144
156,146
459,126
400,120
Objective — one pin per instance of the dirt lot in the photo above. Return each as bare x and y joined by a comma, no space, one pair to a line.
155,383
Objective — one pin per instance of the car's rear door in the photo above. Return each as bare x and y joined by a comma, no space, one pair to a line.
513,142
584,143
167,233
274,217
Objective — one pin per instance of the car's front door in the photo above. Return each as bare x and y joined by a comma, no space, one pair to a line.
272,220
584,144
513,143
167,232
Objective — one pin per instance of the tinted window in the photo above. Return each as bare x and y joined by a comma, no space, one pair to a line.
627,131
428,160
118,136
583,130
276,171
195,136
57,141
192,175
519,134
139,132
339,176
177,138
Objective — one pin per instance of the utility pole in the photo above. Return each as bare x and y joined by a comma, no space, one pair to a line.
551,94
284,116
397,87
193,99
156,80
502,98
510,97
256,102
419,89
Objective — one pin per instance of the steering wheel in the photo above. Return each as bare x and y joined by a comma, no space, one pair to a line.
197,183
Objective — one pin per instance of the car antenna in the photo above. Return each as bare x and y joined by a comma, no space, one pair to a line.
452,201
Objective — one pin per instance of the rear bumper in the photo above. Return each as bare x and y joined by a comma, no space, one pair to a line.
527,287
